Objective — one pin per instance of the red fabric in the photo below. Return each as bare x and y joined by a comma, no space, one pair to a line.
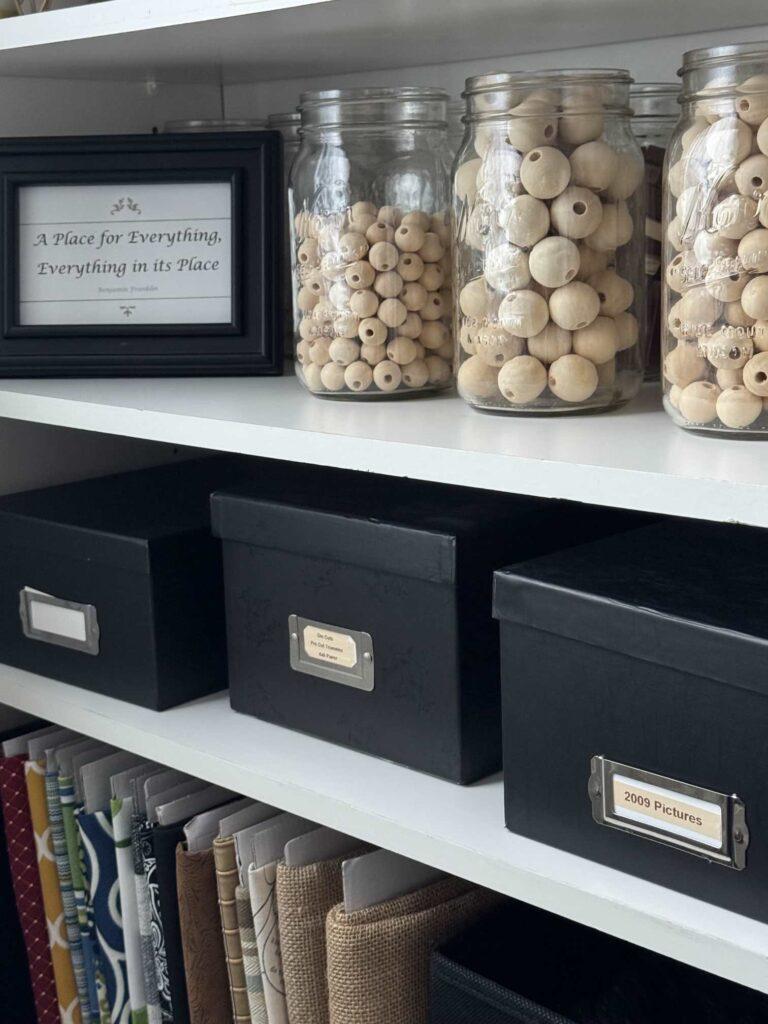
26,887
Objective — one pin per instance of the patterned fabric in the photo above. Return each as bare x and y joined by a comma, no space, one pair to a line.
26,887
226,881
59,840
261,882
104,907
165,840
251,963
18,1002
122,813
201,938
96,991
142,849
157,934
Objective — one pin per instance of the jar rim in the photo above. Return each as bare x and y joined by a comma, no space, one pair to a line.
319,97
654,89
714,56
500,79
288,119
213,124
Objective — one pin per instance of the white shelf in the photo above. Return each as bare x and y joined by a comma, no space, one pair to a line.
255,40
457,829
633,458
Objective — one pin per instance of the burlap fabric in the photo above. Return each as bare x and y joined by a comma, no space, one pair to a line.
378,958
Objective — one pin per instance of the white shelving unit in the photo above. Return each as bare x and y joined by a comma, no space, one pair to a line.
123,65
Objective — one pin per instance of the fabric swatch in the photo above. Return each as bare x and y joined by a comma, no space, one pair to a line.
165,840
251,963
122,813
26,887
156,932
141,831
225,858
102,888
261,882
378,958
201,938
59,842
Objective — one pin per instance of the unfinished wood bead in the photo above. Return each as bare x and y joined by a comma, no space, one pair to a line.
495,346
434,334
726,279
392,312
754,298
525,220
549,344
308,253
628,178
353,246
416,374
576,213
683,365
364,303
435,307
361,224
762,137
506,267
465,180
307,299
614,230
554,261
417,217
390,215
383,256
752,176
727,378
432,250
737,407
401,350
523,313
574,306
698,402
439,370
597,341
380,231
332,376
590,261
412,326
734,216
614,292
410,266
409,237
372,331
684,271
344,351
467,336
759,335
477,380
606,373
627,331
413,296
359,275
446,350
477,300
522,380
572,378
752,107
302,352
675,234
545,172
753,251
733,314
309,328
373,354
530,126
362,208
312,376
387,376
388,284
577,128
358,376
594,166
728,142
726,349
433,277
756,374
674,396
339,294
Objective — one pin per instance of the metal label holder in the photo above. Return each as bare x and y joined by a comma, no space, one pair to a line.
90,645
360,675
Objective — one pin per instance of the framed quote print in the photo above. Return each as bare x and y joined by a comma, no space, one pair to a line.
153,255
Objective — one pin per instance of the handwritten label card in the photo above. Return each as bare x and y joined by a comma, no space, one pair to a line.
114,254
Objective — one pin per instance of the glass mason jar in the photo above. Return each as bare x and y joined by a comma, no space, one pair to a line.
288,125
456,111
549,228
715,310
369,194
656,110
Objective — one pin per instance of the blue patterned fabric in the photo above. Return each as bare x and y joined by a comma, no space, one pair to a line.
103,893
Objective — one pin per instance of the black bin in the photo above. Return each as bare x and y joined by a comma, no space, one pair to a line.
635,706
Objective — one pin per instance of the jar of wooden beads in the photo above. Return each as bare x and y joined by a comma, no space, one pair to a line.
370,195
549,229
715,311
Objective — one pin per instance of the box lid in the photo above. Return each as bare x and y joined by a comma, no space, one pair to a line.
683,594
115,519
404,527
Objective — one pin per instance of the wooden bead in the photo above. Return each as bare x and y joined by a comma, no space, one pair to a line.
752,176
340,293
737,407
446,350
752,108
576,213
525,221
753,251
726,279
372,331
597,342
728,378
387,376
412,326
762,137
572,378
434,308
307,299
615,293
477,300
392,312
433,277
419,218
594,166
388,284
414,296
347,325
477,380
439,370
410,266
526,132
606,374
628,178
710,245
675,174
522,380
574,306
332,376
590,262
627,331
694,314
380,231
359,275
325,310
614,230
390,215
734,216
432,249
684,271
312,377
759,335
465,180
401,350
409,237
687,203
683,365
416,374
333,266
364,303
309,328
361,224
302,352
434,334
728,142
344,351
361,209
756,374
495,346
353,246
506,268
554,261
383,256
726,349
467,336
545,172
733,314
523,313
308,253
674,395
698,402
675,234
549,344
373,354
358,376
754,298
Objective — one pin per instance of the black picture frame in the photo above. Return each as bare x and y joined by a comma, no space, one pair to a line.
250,344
